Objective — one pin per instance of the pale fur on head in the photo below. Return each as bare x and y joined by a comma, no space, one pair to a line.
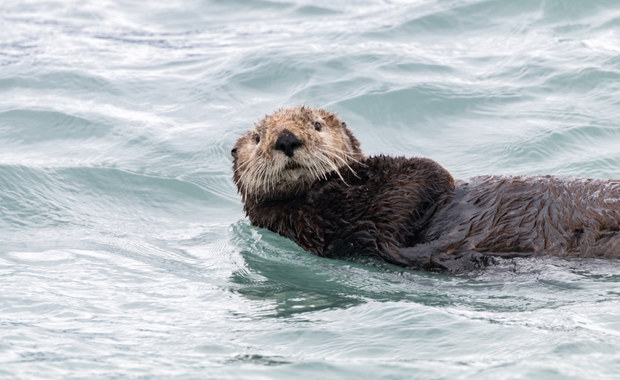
262,172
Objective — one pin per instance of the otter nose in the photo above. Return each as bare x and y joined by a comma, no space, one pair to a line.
287,142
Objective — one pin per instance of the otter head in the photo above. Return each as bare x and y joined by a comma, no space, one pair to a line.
289,150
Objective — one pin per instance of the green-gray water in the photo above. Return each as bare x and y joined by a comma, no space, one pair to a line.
123,247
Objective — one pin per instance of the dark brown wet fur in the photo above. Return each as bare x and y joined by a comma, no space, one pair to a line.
410,212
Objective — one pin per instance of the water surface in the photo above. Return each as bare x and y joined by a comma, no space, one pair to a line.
124,251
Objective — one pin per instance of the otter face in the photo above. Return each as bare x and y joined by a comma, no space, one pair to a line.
289,150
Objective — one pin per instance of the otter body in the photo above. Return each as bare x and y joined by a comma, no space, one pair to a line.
519,216
410,211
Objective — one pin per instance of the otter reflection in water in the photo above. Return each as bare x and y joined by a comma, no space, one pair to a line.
301,173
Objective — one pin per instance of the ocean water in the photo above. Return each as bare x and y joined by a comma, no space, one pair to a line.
124,251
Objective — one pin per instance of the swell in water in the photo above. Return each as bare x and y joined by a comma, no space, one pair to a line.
123,248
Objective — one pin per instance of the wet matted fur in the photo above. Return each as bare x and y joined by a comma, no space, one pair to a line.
301,174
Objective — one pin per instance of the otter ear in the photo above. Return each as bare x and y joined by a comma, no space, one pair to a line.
344,125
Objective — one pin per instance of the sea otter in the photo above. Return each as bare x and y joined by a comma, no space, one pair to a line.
301,173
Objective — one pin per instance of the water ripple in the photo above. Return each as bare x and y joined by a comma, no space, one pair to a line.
123,252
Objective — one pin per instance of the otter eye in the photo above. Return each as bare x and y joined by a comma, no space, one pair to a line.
257,138
317,126
233,152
